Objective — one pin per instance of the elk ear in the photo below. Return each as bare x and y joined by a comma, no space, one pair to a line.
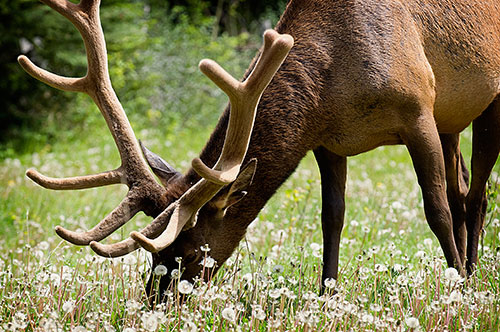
160,167
235,191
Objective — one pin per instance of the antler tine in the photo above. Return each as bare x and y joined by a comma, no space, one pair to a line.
55,81
244,98
133,171
78,182
128,208
128,245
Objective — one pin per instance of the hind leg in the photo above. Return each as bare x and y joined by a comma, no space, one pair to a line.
485,149
457,186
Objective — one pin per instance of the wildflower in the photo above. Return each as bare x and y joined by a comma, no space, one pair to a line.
451,274
367,318
398,267
455,296
160,270
258,313
44,245
278,269
132,306
68,306
229,314
19,321
185,287
412,322
79,328
208,262
315,246
330,283
420,254
175,273
380,268
149,322
205,248
274,293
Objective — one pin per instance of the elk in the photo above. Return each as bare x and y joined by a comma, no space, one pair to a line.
360,74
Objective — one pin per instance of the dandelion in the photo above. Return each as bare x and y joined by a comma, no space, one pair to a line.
367,318
330,283
208,262
44,245
274,293
149,322
68,306
420,254
229,314
205,248
278,269
129,329
451,274
455,296
160,270
315,246
258,313
185,287
175,274
79,328
412,322
380,268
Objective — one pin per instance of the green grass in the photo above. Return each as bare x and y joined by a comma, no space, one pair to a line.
392,268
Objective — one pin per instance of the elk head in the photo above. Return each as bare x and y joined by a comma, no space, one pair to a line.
188,208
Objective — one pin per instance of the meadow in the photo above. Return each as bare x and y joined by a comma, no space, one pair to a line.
393,275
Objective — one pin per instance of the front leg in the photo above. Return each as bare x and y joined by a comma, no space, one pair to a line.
333,170
422,139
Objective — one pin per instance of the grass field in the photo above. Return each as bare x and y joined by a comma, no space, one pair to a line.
393,276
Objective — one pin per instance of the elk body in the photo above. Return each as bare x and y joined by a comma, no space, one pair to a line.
361,74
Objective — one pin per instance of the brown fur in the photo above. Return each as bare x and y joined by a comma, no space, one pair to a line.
364,74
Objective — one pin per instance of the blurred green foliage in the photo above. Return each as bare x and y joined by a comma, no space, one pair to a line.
153,48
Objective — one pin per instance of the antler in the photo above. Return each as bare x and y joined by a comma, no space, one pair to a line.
144,191
244,98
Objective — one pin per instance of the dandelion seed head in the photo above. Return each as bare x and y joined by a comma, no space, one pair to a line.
229,314
160,270
412,322
185,287
278,269
330,283
68,306
205,248
208,262
175,274
451,274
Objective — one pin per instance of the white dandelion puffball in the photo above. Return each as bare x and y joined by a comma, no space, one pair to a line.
451,274
330,282
185,287
208,262
160,270
229,314
412,322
